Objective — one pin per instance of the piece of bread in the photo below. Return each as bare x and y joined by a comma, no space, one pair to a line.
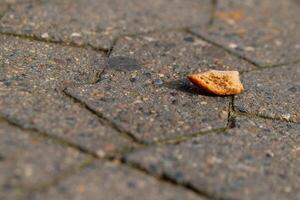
218,82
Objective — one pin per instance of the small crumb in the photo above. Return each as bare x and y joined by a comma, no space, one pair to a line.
75,35
218,82
45,35
269,154
223,114
100,153
287,117
233,46
81,188
249,48
149,39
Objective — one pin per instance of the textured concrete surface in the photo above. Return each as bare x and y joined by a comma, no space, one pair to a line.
259,159
28,160
243,27
98,23
113,181
95,104
145,80
32,78
272,93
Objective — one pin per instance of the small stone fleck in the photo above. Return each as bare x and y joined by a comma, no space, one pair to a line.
45,35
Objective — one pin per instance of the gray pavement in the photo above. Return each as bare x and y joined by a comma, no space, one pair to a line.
95,104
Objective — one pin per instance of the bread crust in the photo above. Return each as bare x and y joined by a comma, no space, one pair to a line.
218,82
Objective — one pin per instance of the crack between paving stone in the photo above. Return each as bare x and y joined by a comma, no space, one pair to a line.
87,46
136,140
43,134
65,143
2,15
110,50
106,121
259,116
42,187
180,139
136,167
272,66
154,31
65,44
236,112
72,170
258,67
214,4
6,10
224,48
167,179
87,162
99,76
279,64
230,117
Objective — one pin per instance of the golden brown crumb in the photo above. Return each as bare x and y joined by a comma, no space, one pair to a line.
218,82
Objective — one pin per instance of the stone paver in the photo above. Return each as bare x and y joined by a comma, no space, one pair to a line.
32,76
259,159
112,181
2,10
111,74
272,93
100,22
5,4
144,88
266,32
29,161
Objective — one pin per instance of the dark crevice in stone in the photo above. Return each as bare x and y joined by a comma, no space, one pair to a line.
257,65
162,177
1,158
133,35
43,187
108,53
272,66
42,134
133,138
112,47
224,48
239,112
66,44
7,8
180,139
214,4
2,14
231,118
105,121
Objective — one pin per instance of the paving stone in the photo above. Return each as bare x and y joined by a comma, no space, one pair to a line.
100,22
113,181
266,32
28,161
5,4
258,159
14,193
32,75
3,9
144,89
272,93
